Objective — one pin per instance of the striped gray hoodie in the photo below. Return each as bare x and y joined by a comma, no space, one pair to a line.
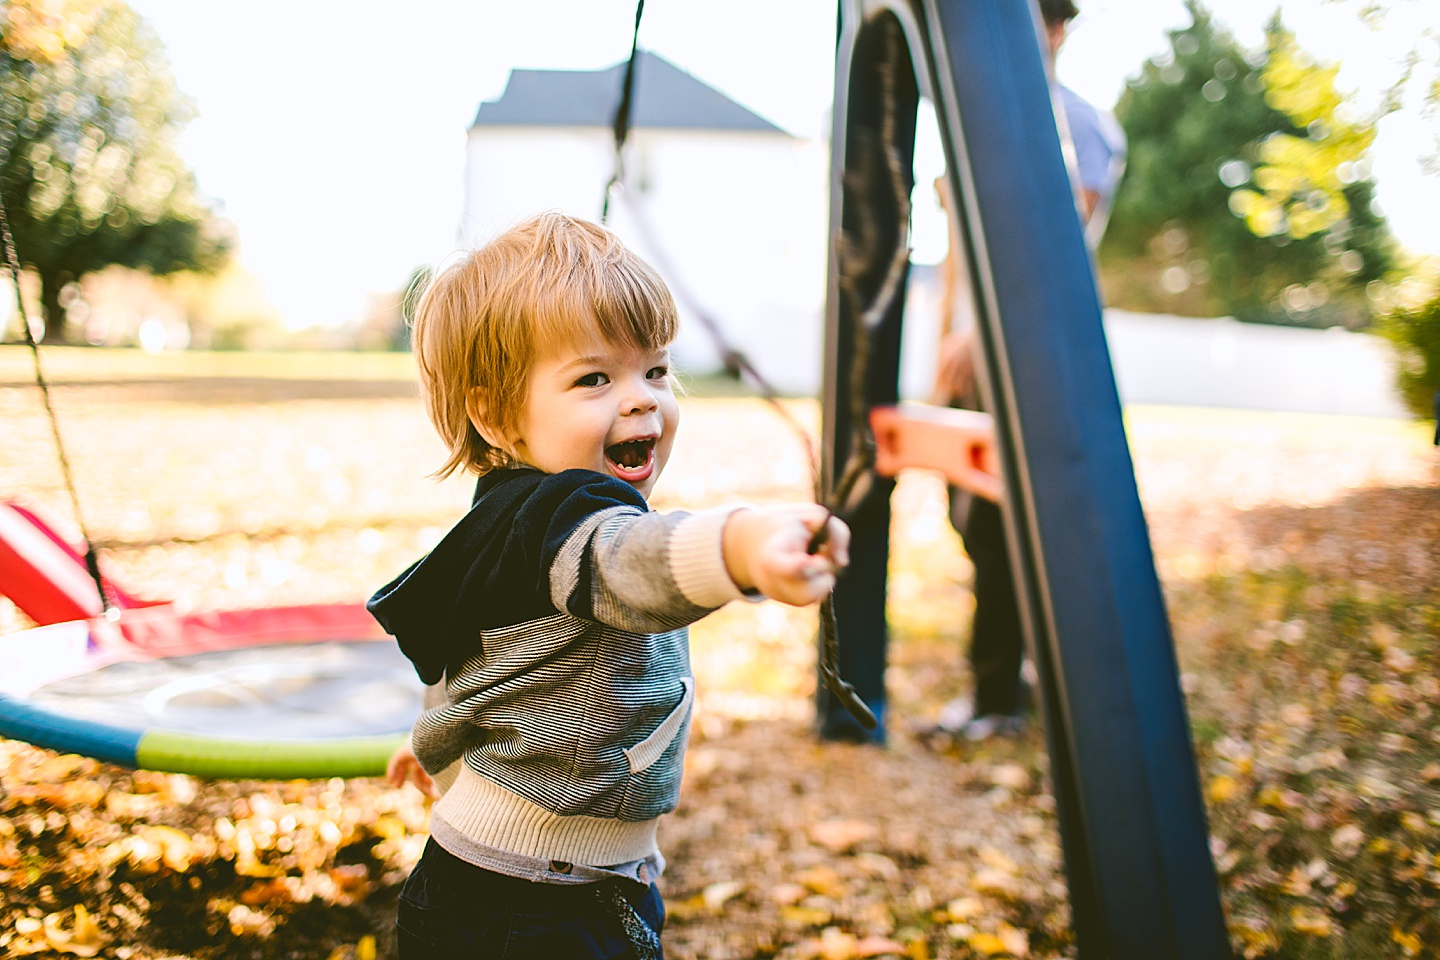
553,618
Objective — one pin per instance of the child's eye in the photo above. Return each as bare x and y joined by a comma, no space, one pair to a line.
658,373
596,379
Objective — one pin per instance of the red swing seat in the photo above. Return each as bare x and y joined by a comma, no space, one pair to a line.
45,575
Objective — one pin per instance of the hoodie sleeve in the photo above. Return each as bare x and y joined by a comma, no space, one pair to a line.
643,571
534,544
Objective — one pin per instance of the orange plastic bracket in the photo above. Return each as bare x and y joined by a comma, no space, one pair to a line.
958,443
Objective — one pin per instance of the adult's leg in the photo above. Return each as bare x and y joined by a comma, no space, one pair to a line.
996,645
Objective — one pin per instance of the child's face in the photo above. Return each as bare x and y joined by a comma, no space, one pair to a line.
600,406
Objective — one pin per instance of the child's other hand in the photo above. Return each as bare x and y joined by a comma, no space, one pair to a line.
765,550
404,767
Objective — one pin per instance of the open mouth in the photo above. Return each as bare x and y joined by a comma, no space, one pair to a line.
633,459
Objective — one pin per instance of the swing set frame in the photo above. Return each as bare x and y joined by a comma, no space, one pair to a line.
1132,824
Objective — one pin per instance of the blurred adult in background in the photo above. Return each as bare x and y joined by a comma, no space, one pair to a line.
1001,697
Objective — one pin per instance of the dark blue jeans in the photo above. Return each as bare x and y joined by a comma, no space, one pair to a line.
452,909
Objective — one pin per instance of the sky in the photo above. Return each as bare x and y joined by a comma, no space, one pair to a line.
333,134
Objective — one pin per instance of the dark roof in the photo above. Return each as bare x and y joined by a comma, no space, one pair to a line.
665,96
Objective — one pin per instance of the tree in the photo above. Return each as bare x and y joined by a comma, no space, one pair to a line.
89,170
1246,191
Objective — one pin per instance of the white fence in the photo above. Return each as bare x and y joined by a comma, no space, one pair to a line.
1225,363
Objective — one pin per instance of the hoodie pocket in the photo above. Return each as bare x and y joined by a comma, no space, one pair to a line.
643,755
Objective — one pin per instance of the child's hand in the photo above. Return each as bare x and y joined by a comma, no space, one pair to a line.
403,766
765,550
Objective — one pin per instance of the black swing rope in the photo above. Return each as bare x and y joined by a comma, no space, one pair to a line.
92,560
621,124
853,485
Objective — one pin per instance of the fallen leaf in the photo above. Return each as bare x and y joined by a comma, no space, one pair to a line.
82,793
1408,942
1017,942
878,865
268,893
835,944
351,879
964,908
687,908
363,949
716,895
804,916
1401,661
132,806
1221,789
177,850
824,881
1010,775
1347,840
245,921
996,883
61,767
842,836
994,858
83,939
786,894
986,943
1297,883
877,947
29,937
1312,922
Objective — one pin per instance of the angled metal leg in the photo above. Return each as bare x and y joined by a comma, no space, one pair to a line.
1142,884
872,176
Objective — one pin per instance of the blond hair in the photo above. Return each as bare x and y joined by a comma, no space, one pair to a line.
482,322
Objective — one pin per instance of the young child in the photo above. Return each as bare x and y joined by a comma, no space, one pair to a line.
551,621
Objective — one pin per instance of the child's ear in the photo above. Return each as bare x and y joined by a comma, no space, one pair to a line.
475,409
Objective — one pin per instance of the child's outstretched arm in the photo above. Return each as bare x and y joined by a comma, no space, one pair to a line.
766,550
651,572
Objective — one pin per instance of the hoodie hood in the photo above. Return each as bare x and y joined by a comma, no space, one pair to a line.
492,568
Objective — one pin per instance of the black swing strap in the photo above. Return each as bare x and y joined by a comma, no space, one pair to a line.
12,260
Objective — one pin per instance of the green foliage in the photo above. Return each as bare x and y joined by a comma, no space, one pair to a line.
89,169
1246,190
1300,185
1415,332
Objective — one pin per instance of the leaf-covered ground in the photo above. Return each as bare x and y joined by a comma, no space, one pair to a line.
1299,559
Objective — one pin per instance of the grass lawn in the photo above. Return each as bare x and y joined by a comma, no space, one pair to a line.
110,365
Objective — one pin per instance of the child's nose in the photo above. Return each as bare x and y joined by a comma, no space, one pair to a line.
639,399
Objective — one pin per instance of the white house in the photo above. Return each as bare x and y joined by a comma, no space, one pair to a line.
731,208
